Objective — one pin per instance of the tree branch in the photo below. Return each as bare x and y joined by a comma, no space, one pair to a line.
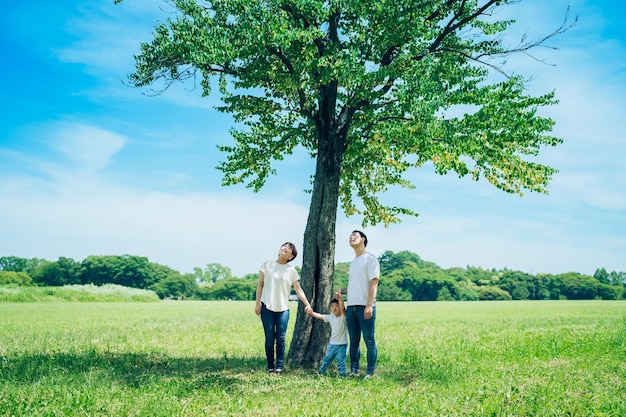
287,63
521,48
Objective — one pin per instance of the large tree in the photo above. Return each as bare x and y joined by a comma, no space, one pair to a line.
370,88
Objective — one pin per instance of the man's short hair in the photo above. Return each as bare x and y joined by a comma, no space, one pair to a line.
362,235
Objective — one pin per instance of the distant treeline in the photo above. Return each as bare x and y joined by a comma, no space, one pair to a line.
404,277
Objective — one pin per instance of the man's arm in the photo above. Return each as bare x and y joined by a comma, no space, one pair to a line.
371,297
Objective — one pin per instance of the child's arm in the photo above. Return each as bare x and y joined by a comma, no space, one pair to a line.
315,315
342,306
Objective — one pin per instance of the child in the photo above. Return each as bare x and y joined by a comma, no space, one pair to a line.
338,334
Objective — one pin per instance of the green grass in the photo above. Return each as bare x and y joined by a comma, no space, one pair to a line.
560,358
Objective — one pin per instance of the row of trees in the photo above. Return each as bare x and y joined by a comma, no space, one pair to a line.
126,270
404,277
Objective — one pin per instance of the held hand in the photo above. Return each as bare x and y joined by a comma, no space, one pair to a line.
338,294
308,310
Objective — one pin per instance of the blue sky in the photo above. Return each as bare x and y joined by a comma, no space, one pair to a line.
90,166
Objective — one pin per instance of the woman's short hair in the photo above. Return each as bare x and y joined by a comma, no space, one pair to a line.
294,250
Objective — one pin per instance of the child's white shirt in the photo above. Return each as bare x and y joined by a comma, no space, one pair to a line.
338,329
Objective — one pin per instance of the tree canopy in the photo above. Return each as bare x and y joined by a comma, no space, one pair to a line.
404,83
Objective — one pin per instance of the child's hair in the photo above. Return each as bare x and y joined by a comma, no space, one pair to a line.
334,301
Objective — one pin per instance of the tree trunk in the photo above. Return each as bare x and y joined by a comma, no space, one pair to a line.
311,336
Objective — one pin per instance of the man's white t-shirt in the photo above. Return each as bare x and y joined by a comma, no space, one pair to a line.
277,282
338,330
362,269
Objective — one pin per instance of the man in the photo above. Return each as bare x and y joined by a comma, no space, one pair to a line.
361,311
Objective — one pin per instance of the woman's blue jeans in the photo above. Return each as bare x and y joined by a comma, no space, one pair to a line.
357,325
275,328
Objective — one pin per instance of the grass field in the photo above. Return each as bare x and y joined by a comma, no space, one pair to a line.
556,358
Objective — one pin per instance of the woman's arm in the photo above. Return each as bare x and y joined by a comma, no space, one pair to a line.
302,296
259,290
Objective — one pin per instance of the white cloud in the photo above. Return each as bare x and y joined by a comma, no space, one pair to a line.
181,231
107,35
88,146
63,152
67,207
601,190
534,245
107,38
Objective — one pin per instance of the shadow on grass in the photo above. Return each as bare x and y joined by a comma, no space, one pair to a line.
133,369
144,369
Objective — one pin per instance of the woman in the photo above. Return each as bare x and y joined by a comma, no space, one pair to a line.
272,303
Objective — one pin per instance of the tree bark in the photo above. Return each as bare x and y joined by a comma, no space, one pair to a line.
311,336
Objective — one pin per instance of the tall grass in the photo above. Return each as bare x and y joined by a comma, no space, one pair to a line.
562,358
106,292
